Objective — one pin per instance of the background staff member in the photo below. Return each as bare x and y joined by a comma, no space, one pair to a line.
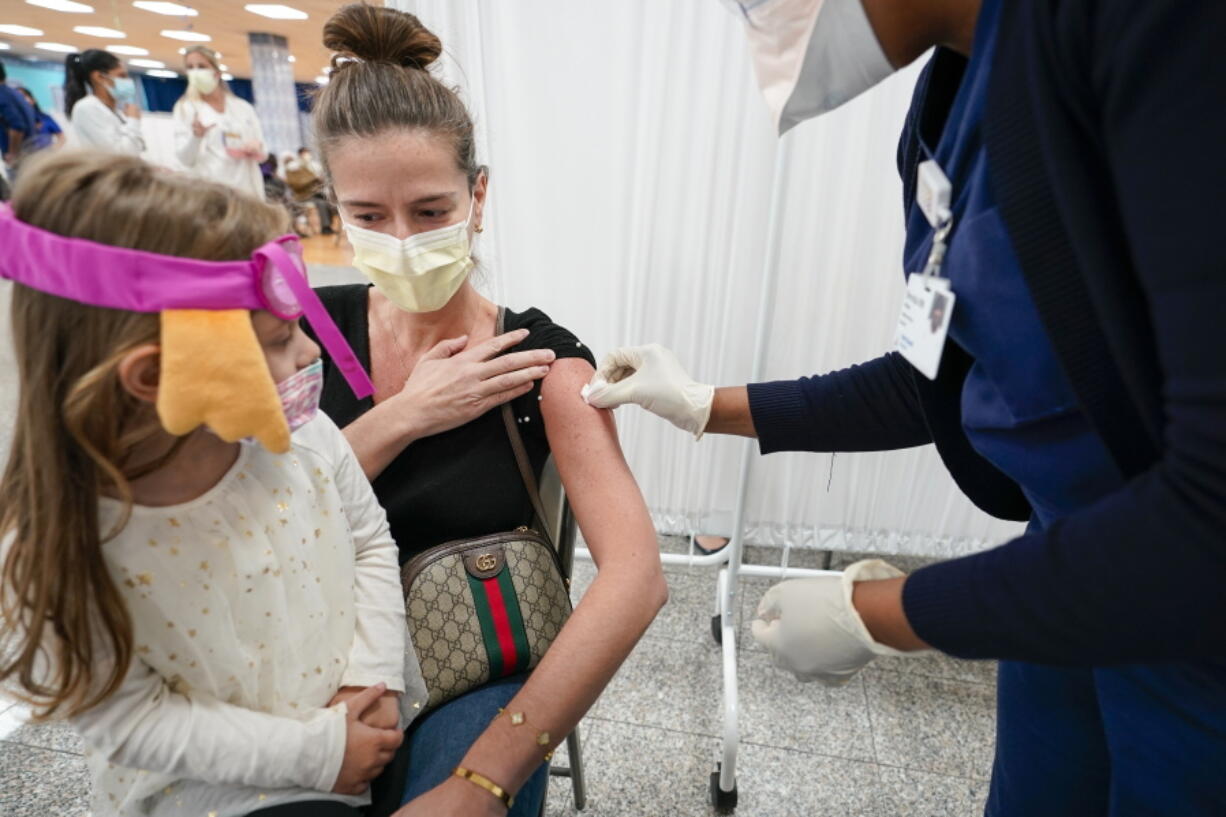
217,135
100,101
1083,387
17,122
47,132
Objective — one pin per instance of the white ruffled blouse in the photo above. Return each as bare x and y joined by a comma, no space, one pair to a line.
251,606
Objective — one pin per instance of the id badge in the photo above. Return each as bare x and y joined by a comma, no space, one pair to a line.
233,143
923,322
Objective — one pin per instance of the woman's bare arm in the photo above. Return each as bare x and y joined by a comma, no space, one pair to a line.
628,591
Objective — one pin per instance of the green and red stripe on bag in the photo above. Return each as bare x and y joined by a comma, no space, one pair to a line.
483,609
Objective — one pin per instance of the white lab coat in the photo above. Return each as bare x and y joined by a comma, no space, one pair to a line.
206,156
94,125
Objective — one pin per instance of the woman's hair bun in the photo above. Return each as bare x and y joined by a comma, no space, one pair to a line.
377,34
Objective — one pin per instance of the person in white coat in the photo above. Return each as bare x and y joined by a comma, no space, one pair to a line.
217,135
100,100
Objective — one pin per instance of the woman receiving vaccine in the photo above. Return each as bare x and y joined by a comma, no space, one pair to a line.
217,135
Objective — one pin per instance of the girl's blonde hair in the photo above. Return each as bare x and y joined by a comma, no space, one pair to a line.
67,637
191,94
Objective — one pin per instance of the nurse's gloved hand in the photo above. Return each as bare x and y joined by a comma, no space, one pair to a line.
651,377
812,630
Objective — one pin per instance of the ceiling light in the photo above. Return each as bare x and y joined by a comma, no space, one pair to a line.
186,36
63,5
321,80
128,50
292,58
227,77
169,9
60,47
20,31
99,31
158,72
276,11
147,63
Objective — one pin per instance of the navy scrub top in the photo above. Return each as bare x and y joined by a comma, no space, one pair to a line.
1017,407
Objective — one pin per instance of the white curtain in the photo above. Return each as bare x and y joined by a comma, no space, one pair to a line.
631,179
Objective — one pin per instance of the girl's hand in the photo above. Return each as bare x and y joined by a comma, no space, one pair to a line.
454,798
367,750
449,387
384,713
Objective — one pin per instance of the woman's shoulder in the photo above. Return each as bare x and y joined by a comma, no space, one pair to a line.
87,106
346,305
186,109
343,296
239,104
543,333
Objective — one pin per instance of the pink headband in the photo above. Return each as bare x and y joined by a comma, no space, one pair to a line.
274,278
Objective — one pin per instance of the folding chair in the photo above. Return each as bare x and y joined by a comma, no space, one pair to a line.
563,531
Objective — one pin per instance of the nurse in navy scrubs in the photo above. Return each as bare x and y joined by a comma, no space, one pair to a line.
1066,159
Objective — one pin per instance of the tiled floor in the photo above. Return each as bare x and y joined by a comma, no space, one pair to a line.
907,737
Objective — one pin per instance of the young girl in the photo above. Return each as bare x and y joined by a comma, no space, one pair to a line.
223,624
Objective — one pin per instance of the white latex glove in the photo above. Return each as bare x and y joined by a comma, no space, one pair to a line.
812,630
651,377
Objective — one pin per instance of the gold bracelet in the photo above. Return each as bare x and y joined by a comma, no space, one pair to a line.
478,779
518,719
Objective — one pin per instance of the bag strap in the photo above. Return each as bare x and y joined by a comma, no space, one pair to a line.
521,453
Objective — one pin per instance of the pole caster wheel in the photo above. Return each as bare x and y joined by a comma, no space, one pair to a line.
723,801
717,628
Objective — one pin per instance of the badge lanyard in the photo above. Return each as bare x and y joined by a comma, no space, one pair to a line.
928,303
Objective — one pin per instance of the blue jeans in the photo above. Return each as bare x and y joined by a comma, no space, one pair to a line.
440,739
1126,741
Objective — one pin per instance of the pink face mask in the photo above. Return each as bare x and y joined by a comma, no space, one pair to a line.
299,395
273,278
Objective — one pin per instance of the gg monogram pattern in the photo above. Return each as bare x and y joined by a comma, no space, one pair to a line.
446,633
443,617
543,598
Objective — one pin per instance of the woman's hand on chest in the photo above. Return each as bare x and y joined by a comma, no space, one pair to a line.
455,382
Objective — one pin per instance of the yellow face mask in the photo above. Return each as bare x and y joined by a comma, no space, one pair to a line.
420,273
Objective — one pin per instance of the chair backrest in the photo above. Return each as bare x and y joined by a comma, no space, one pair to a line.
560,524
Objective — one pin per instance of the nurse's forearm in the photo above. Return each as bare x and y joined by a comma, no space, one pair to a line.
879,604
730,413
